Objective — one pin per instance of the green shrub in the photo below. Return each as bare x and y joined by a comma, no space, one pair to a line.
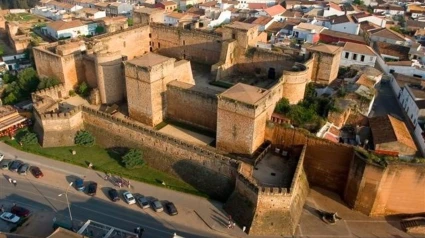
133,158
29,138
84,138
84,89
72,93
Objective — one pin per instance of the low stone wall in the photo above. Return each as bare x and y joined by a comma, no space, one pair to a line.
204,168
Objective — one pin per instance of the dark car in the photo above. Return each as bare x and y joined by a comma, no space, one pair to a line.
14,166
79,184
36,171
171,209
23,169
113,194
4,164
91,189
20,211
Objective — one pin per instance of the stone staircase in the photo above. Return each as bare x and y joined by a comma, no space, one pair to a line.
414,225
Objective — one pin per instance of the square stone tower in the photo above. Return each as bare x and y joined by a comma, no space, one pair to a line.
326,59
146,82
241,118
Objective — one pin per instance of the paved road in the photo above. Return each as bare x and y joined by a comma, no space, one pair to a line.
386,103
195,213
39,197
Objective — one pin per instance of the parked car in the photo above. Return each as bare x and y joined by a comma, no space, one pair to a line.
1,156
171,209
129,198
5,164
36,171
23,169
157,206
91,190
14,166
9,217
20,211
113,194
143,202
79,184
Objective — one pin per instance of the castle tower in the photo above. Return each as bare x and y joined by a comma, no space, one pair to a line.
246,34
326,62
294,83
241,118
110,77
146,82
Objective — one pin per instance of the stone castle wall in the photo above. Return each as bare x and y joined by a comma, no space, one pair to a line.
56,92
294,83
377,190
196,106
326,163
90,70
130,42
195,164
58,129
69,69
325,67
194,45
110,77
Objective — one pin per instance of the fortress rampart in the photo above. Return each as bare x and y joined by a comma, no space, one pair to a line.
194,45
56,92
275,210
295,82
110,77
192,105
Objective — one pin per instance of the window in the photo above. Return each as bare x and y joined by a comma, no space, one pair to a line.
362,58
347,55
233,36
159,45
184,42
354,56
150,35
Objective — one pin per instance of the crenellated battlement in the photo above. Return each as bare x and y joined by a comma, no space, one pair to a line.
197,32
60,115
56,92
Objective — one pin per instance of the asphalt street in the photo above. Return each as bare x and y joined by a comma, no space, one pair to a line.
39,197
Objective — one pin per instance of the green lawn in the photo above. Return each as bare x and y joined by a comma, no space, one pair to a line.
107,161
20,17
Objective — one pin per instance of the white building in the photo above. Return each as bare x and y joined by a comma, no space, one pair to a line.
93,13
69,29
354,53
362,17
48,12
343,23
63,6
389,9
274,12
409,68
308,32
175,18
224,18
16,62
338,10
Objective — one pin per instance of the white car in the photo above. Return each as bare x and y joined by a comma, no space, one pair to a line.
1,156
9,217
129,198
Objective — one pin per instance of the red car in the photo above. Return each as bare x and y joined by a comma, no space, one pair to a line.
36,172
20,211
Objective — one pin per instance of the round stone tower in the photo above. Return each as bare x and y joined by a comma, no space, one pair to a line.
110,77
294,83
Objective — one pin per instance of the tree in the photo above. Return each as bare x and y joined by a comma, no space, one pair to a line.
133,158
84,138
48,82
83,89
189,6
130,21
99,30
29,138
283,106
358,2
28,81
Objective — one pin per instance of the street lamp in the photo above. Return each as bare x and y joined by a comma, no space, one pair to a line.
67,201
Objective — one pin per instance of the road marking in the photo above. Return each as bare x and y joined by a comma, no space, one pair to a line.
94,211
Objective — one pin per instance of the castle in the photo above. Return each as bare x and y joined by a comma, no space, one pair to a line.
148,68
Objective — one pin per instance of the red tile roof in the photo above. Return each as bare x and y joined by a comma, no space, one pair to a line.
335,6
275,10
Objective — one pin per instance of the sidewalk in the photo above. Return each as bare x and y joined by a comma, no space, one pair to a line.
210,212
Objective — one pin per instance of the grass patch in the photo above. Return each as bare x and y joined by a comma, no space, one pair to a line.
106,160
19,17
221,84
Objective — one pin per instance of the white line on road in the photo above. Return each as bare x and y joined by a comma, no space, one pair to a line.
94,211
